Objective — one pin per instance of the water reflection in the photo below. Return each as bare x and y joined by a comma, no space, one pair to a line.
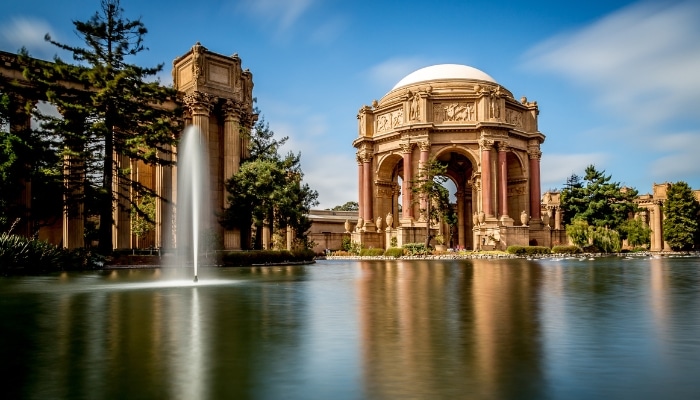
483,329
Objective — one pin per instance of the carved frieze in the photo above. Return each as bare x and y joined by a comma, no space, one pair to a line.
390,120
454,112
514,117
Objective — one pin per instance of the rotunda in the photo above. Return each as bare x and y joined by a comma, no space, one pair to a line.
489,141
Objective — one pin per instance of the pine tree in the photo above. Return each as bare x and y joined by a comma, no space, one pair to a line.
119,104
680,227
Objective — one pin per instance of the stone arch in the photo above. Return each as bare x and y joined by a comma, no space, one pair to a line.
389,169
517,186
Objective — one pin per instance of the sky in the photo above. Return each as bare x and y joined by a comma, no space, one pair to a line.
617,82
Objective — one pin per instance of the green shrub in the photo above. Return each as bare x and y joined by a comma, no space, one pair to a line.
528,250
21,255
371,252
413,249
395,252
341,253
240,258
566,249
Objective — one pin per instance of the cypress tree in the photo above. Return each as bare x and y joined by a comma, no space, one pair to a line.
681,228
119,106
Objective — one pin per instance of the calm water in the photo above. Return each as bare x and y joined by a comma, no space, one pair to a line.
470,329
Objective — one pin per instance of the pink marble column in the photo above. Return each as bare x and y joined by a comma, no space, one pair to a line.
407,195
503,178
535,155
461,231
486,146
422,162
360,187
367,190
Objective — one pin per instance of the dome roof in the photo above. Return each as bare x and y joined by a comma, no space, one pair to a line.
444,71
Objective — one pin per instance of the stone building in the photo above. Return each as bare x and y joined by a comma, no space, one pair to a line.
217,97
489,141
651,212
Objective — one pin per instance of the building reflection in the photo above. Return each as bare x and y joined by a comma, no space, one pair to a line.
442,330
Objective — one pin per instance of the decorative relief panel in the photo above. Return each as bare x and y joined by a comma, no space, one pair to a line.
454,112
517,190
389,121
514,117
219,74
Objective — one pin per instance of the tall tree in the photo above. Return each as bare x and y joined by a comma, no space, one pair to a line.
600,202
268,189
348,206
681,208
428,186
120,103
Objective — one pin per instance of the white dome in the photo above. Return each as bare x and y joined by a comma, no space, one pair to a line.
444,71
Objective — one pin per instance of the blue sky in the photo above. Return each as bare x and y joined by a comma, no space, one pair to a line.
617,82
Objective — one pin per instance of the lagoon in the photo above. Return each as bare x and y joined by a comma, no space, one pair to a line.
352,329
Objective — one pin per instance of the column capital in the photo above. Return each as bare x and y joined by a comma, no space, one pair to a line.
503,147
406,147
486,144
424,145
231,109
199,102
534,152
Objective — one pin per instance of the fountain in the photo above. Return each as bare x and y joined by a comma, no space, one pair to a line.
193,203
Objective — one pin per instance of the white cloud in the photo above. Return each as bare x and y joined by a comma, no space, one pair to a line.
556,168
640,62
28,33
389,72
284,13
681,160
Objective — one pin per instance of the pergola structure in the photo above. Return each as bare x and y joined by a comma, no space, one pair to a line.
216,95
489,141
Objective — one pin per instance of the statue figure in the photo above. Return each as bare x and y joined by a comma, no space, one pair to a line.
360,223
415,107
523,218
347,225
389,221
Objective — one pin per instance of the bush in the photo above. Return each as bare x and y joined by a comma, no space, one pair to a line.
413,249
566,250
371,252
341,253
528,250
240,258
21,255
395,252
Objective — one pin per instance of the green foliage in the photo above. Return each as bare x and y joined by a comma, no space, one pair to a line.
355,248
415,249
21,255
638,234
143,215
607,240
395,252
681,228
346,243
121,114
268,189
348,206
566,250
244,258
428,185
373,252
579,232
394,242
528,250
599,202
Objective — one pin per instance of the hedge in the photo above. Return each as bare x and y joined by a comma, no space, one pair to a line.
528,250
413,249
371,252
566,250
395,252
241,258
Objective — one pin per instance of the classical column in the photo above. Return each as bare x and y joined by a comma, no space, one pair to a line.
557,218
367,190
200,105
164,202
121,215
360,185
461,230
232,162
407,195
657,230
20,122
535,154
73,183
503,178
422,162
486,197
